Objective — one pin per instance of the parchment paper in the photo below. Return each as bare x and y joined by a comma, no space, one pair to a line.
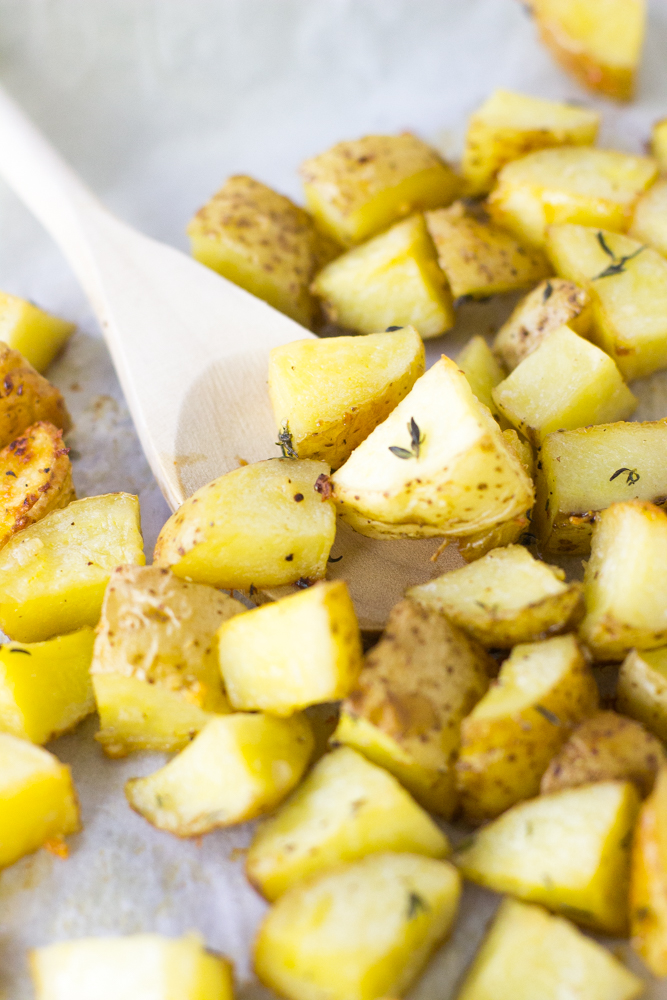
155,102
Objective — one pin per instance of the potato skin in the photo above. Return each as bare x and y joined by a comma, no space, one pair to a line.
26,397
550,305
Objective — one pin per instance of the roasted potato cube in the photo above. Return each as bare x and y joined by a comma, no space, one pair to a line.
483,372
569,851
473,547
642,689
360,932
584,471
566,382
38,335
598,41
553,304
479,259
27,397
504,598
135,968
649,224
38,802
417,684
438,465
155,669
659,144
627,283
237,768
648,880
509,125
263,525
625,581
345,809
543,690
53,574
529,952
393,280
359,187
606,747
592,187
298,651
330,394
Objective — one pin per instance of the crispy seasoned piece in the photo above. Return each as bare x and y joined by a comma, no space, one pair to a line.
26,397
554,303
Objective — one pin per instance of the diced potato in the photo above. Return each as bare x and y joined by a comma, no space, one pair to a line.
360,932
648,880
392,280
627,283
554,303
566,382
137,967
598,41
53,574
298,651
438,465
480,367
625,581
155,669
38,802
36,478
529,953
649,224
329,394
569,851
509,125
584,471
237,768
359,187
45,687
473,547
504,598
262,241
642,689
606,747
27,397
345,809
543,691
592,187
659,144
38,335
263,525
417,684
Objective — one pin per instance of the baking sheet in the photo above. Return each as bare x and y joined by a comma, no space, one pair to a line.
155,102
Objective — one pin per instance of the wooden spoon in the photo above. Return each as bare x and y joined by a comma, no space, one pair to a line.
191,352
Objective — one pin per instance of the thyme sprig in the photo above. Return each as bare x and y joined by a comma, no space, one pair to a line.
633,476
618,265
285,442
416,441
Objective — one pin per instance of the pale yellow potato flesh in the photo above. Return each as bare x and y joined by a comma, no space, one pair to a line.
642,689
482,370
649,223
38,335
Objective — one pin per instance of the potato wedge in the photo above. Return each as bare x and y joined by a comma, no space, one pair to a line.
648,880
569,851
659,144
552,304
504,598
529,952
53,574
482,370
417,684
649,223
38,335
263,525
27,398
392,280
642,689
360,932
329,394
237,768
359,187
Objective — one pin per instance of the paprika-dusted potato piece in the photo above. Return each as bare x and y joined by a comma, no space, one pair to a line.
648,880
155,668
329,394
359,187
649,223
482,370
26,397
360,932
263,525
417,684
642,688
35,333
237,768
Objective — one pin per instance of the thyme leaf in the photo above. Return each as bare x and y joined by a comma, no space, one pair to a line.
548,715
548,291
618,263
633,476
416,441
285,442
416,905
400,452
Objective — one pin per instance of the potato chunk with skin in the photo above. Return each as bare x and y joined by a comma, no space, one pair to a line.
566,382
35,333
238,767
329,394
263,525
649,224
509,125
53,574
648,880
569,851
450,473
27,397
530,953
137,967
417,684
359,187
483,372
659,144
360,932
642,689
37,799
504,598
345,809
552,304
578,184
392,280
155,669
543,691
